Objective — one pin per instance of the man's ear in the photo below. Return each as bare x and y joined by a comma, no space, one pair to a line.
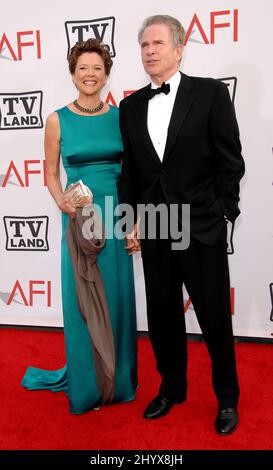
179,51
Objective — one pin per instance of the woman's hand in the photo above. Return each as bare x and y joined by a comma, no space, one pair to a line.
65,203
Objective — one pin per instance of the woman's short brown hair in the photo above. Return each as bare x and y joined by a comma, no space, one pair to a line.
91,45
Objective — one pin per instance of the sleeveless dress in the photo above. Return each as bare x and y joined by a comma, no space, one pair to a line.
91,149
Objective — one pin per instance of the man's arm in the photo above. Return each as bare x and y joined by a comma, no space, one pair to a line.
230,166
128,184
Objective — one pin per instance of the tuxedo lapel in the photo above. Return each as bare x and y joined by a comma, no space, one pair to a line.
141,122
183,101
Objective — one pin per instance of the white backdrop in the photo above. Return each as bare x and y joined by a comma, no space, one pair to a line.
230,40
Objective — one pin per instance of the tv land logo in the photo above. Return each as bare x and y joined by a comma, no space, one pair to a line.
21,110
231,83
230,232
101,28
13,49
271,297
26,233
29,295
189,307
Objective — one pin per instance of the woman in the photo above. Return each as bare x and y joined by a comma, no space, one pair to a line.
86,135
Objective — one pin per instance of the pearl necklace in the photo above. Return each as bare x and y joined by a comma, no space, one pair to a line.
88,110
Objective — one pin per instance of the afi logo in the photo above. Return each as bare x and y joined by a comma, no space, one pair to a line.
26,233
218,20
22,177
102,28
34,288
21,110
13,50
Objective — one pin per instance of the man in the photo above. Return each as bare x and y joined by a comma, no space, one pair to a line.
181,146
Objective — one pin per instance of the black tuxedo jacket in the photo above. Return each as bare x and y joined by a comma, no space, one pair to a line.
202,163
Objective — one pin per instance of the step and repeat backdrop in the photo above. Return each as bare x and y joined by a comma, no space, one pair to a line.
228,40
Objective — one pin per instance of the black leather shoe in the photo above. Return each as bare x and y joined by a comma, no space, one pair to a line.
159,407
226,421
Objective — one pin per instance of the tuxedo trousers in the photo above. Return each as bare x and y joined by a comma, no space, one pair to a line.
204,271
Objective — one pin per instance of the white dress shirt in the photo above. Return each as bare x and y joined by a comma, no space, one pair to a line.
159,114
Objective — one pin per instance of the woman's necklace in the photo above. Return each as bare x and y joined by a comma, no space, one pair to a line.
88,110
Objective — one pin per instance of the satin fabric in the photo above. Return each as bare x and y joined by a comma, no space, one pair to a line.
91,149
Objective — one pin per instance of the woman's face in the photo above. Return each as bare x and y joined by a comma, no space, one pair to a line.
89,76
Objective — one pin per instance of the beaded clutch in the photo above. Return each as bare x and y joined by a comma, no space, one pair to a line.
79,193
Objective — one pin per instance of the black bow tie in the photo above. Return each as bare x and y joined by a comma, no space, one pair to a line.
164,88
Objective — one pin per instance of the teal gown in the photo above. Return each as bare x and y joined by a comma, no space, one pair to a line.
91,149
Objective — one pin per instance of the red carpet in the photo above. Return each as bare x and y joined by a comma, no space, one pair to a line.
41,420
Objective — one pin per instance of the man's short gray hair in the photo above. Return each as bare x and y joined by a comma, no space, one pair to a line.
175,26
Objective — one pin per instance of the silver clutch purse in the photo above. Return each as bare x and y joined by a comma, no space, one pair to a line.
80,194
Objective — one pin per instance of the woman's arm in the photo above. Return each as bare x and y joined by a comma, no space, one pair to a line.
52,154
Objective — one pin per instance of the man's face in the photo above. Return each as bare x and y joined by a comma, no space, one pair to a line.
160,57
